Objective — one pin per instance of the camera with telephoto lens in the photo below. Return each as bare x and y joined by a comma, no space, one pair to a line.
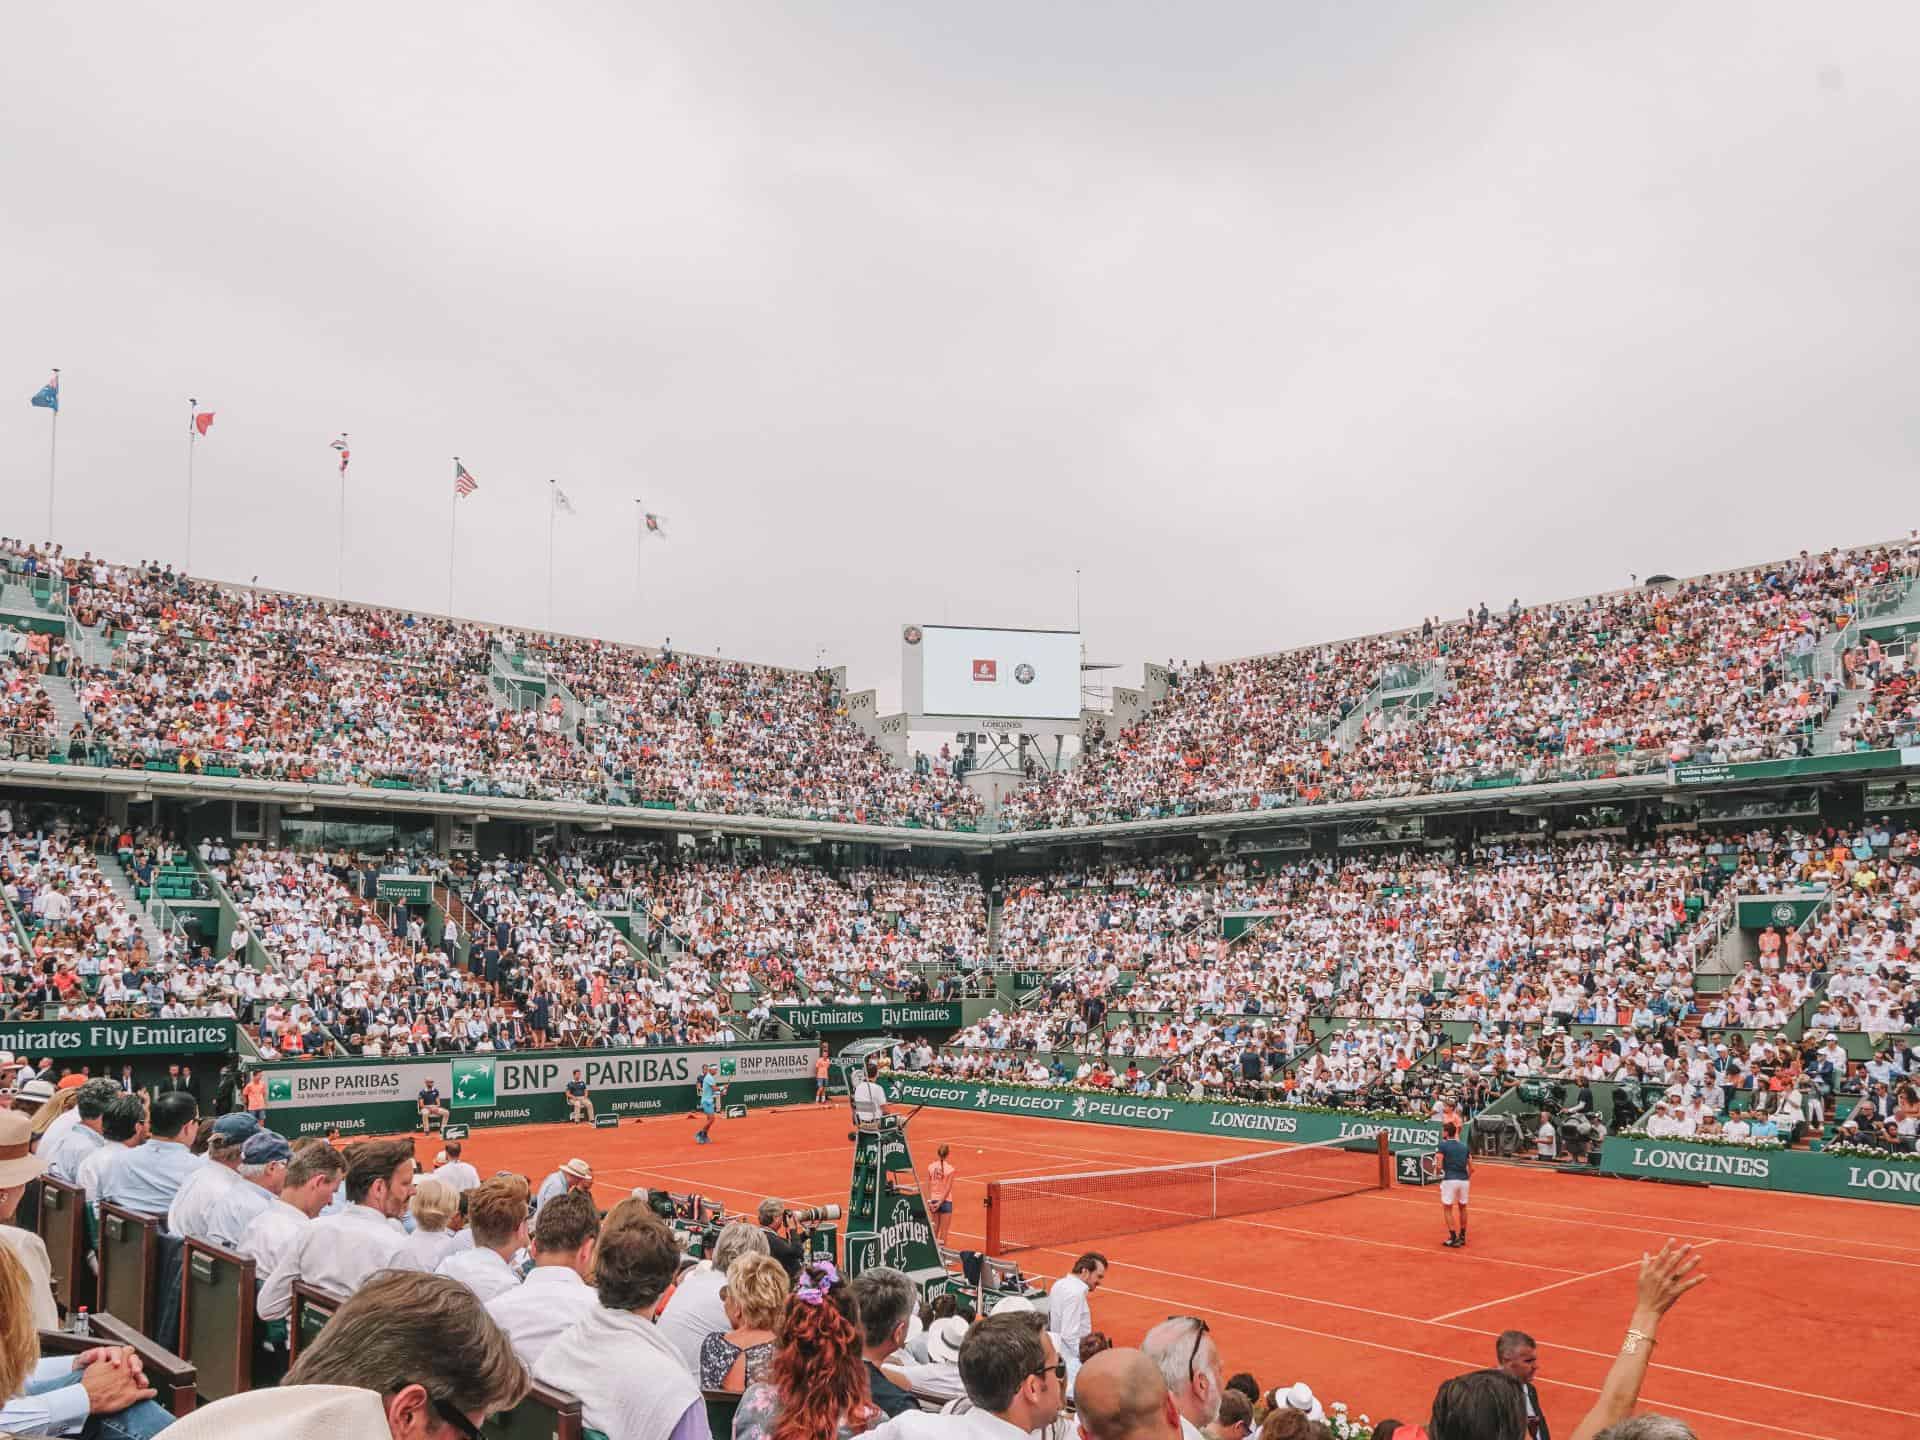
813,1215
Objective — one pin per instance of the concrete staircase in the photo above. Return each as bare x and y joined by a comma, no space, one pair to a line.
1826,740
67,711
122,886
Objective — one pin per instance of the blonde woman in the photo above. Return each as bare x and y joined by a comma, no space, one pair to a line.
435,1203
755,1298
19,1343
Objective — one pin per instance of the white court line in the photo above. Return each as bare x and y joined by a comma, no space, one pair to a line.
1676,1228
1271,1293
1542,1289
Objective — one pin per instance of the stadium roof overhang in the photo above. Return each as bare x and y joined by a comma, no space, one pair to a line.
175,785
1118,834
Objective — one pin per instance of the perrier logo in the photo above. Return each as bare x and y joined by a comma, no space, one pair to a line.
473,1081
279,1089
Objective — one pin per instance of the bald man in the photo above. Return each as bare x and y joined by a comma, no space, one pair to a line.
1122,1396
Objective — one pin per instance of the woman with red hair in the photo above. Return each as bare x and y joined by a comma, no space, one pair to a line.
816,1386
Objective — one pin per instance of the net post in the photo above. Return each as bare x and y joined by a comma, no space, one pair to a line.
1386,1159
992,1241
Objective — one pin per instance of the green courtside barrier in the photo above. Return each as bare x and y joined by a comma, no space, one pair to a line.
1193,1117
1803,1172
526,1087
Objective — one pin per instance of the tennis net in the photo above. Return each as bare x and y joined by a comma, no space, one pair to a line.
1054,1209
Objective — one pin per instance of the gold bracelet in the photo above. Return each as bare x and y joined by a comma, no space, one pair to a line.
1634,1337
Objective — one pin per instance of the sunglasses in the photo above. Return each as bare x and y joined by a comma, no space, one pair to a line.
1199,1334
1058,1370
448,1412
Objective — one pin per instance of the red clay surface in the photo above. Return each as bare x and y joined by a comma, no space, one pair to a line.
1805,1327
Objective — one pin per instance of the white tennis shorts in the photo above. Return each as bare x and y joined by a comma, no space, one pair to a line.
1454,1192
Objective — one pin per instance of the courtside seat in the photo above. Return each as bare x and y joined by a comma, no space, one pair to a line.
313,1306
129,1249
545,1414
171,1377
218,1324
63,1227
720,1407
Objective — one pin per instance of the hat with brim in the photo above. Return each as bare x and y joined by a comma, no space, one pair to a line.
944,1337
578,1169
18,1163
36,1090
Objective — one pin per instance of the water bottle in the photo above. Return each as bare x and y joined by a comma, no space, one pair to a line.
79,1324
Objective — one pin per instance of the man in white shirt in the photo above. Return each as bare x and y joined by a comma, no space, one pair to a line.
312,1176
208,1185
1068,1314
1189,1362
1015,1380
341,1251
263,1173
497,1220
124,1128
869,1100
695,1311
83,1137
555,1293
455,1171
648,1394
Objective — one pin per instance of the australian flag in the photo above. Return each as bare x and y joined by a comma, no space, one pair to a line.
47,397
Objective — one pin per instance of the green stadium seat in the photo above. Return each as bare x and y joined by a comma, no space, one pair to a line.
218,1329
129,1250
545,1414
313,1306
63,1228
720,1407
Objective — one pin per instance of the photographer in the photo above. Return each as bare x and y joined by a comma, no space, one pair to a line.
776,1223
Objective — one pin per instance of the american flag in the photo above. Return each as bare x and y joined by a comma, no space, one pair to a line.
463,483
345,454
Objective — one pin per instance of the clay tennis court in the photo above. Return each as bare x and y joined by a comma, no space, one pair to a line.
1804,1329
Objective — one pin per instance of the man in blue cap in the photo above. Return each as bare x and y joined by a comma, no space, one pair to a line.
264,1158
193,1206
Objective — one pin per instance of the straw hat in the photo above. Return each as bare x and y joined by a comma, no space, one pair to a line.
18,1163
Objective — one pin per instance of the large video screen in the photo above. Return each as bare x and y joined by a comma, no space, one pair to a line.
966,671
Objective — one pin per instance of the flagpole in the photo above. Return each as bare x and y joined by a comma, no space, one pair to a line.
639,550
553,509
193,407
53,455
453,527
340,576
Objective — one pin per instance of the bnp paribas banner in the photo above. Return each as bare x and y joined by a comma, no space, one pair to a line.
813,1019
1194,1117
1805,1172
377,1097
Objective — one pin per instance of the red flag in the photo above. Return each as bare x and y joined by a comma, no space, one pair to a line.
203,422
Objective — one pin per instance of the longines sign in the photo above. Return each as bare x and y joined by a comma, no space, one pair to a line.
1805,1172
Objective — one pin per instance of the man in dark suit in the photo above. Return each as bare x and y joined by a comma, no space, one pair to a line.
1519,1357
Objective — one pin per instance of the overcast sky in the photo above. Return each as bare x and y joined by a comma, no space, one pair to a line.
1284,322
